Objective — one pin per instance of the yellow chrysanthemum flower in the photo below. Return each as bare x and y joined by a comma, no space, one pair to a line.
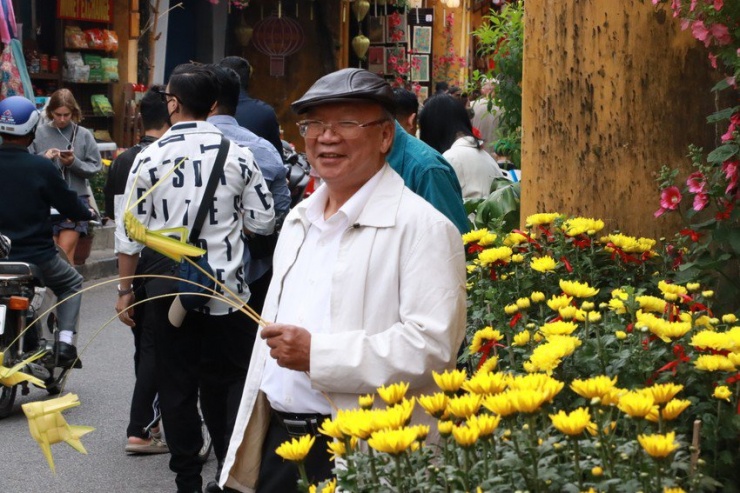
558,328
617,306
517,258
714,362
526,400
542,218
522,338
636,404
484,336
296,449
657,445
486,424
693,286
664,392
674,407
676,489
331,429
568,312
709,339
511,309
396,416
445,427
537,296
578,289
330,487
393,442
435,404
547,357
628,244
722,392
450,380
492,255
571,423
394,393
582,225
729,318
488,239
708,293
523,303
621,335
667,331
336,449
558,302
543,264
651,304
464,406
489,365
474,236
464,436
499,404
514,238
484,383
676,289
366,401
594,387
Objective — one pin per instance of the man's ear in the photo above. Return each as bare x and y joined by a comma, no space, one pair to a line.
388,132
411,122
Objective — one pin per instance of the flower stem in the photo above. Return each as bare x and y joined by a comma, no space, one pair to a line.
373,467
533,451
577,462
399,476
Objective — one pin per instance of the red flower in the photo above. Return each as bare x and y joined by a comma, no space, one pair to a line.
696,182
725,214
700,201
670,197
694,235
730,169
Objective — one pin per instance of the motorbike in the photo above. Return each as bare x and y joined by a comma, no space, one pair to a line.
23,298
299,173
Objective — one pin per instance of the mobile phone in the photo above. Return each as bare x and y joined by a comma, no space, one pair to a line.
67,152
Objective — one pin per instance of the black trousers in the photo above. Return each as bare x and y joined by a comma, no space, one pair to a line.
209,354
144,402
279,475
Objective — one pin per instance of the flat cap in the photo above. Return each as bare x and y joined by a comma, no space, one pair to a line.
347,85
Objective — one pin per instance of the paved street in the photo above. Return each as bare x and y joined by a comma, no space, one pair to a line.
104,386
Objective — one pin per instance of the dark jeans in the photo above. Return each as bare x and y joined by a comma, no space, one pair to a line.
210,353
144,401
64,281
279,475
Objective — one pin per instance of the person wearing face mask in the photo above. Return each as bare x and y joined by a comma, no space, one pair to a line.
74,151
31,185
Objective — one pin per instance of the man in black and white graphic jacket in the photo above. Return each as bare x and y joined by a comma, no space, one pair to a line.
209,354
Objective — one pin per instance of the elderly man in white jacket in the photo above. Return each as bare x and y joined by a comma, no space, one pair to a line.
368,288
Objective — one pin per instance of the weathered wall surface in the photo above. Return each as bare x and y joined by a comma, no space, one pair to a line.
611,92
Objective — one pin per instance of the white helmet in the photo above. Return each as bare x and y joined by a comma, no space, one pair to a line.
18,116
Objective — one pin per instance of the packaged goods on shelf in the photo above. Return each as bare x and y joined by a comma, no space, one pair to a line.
110,67
101,105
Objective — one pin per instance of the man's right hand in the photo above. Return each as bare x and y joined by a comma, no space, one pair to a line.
124,310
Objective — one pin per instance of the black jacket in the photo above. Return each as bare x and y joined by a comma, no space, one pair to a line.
115,184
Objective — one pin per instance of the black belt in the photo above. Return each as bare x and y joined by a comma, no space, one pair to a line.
300,424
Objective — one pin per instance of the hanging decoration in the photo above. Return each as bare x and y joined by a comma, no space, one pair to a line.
360,8
243,33
278,37
361,44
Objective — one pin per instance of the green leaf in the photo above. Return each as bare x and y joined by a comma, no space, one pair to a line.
729,236
723,153
720,115
502,203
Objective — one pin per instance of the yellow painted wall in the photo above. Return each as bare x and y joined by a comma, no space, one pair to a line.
611,92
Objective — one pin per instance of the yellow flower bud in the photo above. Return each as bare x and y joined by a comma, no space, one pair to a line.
597,471
517,258
511,309
670,296
538,297
708,293
730,318
693,286
523,303
587,306
722,392
621,335
594,316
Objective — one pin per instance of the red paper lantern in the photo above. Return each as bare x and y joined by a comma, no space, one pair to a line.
278,37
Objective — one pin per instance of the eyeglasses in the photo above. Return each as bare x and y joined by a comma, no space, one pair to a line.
311,129
166,96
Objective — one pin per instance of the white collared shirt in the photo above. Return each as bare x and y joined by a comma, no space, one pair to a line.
306,297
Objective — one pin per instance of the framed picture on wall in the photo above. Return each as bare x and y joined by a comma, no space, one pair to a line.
395,31
376,29
393,57
423,94
376,60
420,68
422,39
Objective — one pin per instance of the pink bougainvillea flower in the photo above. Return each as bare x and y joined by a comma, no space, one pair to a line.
700,201
712,59
693,5
734,123
696,182
721,33
700,32
718,4
676,6
730,169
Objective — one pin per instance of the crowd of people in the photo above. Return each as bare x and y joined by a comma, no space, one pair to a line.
365,285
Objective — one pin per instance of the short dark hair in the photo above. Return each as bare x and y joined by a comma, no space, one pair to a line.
242,68
442,121
153,109
407,103
196,88
441,87
228,97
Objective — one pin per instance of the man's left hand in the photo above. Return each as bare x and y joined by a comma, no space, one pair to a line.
289,345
